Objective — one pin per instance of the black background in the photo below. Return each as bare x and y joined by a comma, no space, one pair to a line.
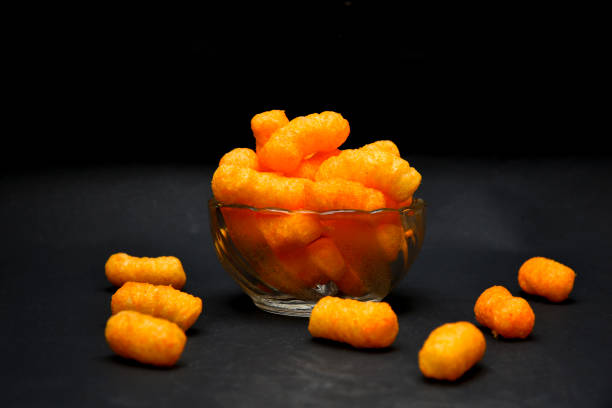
123,112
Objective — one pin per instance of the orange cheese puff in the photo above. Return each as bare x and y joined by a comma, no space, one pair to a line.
326,257
159,301
390,239
302,137
308,167
241,157
297,264
360,324
375,169
238,185
351,283
145,338
164,270
338,194
451,350
548,278
288,231
504,314
384,146
265,123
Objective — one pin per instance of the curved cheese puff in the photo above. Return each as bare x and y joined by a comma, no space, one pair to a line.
288,231
238,185
390,239
451,350
546,277
360,324
383,146
336,194
375,169
326,257
159,301
241,157
302,137
265,123
145,338
164,270
308,167
504,314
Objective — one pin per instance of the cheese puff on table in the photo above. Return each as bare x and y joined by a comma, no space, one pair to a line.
546,277
239,185
504,314
450,350
308,167
360,324
375,169
265,123
241,157
164,270
289,231
144,338
336,194
302,137
159,301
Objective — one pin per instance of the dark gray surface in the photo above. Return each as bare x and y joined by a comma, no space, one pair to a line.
485,217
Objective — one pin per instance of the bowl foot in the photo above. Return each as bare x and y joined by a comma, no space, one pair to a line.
298,308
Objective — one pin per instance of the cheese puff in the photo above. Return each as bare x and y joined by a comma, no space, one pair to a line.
159,301
384,146
145,338
287,231
238,185
308,167
338,194
265,123
375,169
450,350
241,157
504,314
164,270
326,257
390,238
302,137
546,277
298,264
360,324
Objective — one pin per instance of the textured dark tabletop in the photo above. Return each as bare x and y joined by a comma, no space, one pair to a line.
485,217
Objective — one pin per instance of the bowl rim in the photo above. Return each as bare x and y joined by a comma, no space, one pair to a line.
417,205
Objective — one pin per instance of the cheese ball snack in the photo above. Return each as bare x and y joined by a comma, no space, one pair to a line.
164,270
241,157
546,277
239,185
289,231
159,301
504,314
265,123
338,194
308,167
360,324
144,338
302,137
375,169
451,350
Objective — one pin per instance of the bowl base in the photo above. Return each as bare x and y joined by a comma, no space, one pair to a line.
298,308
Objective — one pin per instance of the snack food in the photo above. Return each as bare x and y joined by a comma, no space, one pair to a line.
360,324
144,338
164,270
308,167
504,314
241,157
546,277
335,194
450,350
265,123
159,301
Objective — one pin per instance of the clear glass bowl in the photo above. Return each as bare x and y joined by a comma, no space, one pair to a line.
287,260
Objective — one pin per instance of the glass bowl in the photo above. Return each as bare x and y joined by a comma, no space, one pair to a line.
287,260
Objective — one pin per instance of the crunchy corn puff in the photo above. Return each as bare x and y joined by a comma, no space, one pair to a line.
302,137
145,338
384,146
265,123
241,157
451,350
238,185
159,301
390,239
289,231
326,257
546,277
338,194
375,169
360,324
164,270
308,167
504,314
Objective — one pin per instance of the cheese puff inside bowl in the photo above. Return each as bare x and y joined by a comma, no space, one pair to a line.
286,260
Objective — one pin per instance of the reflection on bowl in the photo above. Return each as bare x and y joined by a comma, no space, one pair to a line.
287,260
